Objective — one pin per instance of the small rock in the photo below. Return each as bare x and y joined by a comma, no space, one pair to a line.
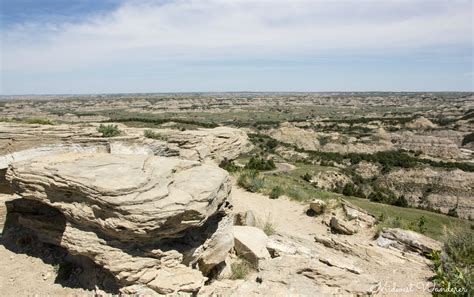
318,206
339,227
245,219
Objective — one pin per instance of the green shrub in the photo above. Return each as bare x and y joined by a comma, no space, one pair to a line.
268,228
422,225
260,164
109,130
352,190
307,177
383,195
229,165
453,212
454,265
153,135
251,181
401,201
276,192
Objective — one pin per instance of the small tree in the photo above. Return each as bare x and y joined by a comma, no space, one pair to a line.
422,225
109,130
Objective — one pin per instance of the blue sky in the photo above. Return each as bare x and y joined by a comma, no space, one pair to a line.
113,46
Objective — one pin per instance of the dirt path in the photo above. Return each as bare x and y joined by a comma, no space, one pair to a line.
281,167
286,216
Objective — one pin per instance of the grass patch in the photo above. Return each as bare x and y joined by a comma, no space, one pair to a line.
153,135
252,181
240,269
409,218
32,121
269,228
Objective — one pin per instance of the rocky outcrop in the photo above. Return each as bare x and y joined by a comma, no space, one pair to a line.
147,220
330,180
440,144
443,190
20,142
407,240
218,144
420,123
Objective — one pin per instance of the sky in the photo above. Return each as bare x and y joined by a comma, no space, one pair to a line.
127,46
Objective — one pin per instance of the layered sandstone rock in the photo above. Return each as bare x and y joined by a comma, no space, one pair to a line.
217,144
148,220
442,190
20,142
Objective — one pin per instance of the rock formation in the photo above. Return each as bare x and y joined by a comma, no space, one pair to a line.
147,220
20,142
442,190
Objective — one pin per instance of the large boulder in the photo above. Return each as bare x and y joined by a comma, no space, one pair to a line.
143,218
251,244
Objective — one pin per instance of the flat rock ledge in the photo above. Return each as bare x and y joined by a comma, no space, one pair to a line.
153,222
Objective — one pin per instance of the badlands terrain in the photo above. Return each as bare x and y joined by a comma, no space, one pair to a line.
237,194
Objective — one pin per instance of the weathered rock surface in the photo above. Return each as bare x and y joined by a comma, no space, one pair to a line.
407,240
218,144
330,180
143,218
357,214
340,227
20,142
439,189
245,219
251,244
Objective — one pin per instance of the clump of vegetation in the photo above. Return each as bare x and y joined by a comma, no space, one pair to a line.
39,121
422,225
268,228
109,130
323,140
229,166
240,269
251,181
28,121
307,177
382,195
276,192
264,142
352,190
260,164
401,202
454,264
298,194
453,212
153,135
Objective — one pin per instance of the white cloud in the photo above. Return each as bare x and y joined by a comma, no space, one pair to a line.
154,31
